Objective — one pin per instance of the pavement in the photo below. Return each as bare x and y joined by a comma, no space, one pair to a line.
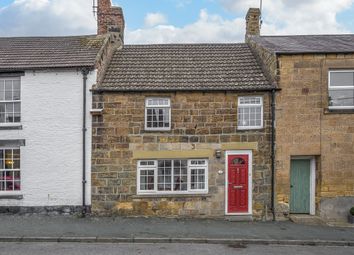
42,228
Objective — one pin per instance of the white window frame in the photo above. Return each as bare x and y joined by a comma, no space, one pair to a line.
13,102
12,192
239,105
338,88
189,190
167,106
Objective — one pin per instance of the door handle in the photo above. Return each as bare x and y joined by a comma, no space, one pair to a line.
291,186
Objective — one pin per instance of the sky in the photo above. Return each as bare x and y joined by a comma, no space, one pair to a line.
178,21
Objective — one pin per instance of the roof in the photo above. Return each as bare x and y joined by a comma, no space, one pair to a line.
184,67
298,44
20,53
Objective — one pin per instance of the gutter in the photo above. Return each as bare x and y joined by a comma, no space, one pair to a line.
84,72
273,154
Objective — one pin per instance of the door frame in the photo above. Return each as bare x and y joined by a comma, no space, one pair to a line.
239,152
312,181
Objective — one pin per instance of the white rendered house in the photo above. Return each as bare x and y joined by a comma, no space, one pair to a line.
45,122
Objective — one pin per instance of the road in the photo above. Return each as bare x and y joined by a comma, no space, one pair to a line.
164,249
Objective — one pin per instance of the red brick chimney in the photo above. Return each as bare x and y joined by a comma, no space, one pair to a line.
109,18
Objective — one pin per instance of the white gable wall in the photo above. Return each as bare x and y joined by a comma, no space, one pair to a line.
51,160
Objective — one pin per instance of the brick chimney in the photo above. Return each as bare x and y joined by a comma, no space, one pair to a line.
253,22
109,18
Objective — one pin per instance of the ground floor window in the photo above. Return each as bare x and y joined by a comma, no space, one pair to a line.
10,176
172,176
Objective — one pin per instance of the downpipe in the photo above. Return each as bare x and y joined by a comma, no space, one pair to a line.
84,72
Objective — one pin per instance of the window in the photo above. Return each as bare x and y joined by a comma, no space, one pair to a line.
172,176
250,113
341,89
10,100
10,170
157,114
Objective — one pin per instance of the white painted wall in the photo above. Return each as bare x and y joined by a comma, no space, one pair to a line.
51,160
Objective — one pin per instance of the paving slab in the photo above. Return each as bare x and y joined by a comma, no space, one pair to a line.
121,229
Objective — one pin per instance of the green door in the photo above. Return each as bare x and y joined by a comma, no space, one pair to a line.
300,186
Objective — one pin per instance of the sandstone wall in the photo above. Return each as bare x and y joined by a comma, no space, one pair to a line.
201,123
305,126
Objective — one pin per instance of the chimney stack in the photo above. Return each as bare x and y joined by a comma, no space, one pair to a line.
109,18
253,22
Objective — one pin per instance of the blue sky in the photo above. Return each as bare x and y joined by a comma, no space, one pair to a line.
175,21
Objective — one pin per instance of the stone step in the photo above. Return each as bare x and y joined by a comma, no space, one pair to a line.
239,218
307,219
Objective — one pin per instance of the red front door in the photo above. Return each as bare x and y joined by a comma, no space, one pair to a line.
237,184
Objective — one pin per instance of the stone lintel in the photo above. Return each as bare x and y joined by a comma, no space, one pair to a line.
240,146
173,154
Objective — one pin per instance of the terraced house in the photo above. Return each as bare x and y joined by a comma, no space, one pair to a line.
314,121
44,152
185,130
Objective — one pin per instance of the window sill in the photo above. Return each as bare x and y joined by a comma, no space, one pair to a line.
251,129
157,130
10,126
203,195
11,196
338,111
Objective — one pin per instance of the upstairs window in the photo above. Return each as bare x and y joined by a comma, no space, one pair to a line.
341,89
10,100
250,113
158,114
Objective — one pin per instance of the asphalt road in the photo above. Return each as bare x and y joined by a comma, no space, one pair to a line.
164,249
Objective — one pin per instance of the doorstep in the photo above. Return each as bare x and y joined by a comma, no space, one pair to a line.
239,218
307,219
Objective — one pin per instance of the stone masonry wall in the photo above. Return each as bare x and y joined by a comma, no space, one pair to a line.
200,122
305,126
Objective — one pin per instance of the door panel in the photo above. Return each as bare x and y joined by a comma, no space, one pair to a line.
237,184
300,186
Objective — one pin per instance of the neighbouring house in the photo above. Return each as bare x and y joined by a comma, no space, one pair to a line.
314,120
185,130
45,154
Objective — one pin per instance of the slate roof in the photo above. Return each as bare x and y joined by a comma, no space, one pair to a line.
21,53
184,67
299,44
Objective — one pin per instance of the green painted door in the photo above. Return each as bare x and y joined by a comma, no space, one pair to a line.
300,186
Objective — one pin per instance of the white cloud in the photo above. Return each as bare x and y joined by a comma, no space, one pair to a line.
47,17
154,19
295,17
208,28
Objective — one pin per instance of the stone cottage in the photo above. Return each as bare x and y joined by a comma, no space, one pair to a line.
182,130
314,121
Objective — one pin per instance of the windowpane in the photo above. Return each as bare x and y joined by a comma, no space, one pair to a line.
341,97
250,111
341,79
147,180
2,90
10,91
180,175
173,176
10,179
197,178
164,175
157,113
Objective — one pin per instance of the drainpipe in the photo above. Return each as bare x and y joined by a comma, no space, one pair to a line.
273,154
84,72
